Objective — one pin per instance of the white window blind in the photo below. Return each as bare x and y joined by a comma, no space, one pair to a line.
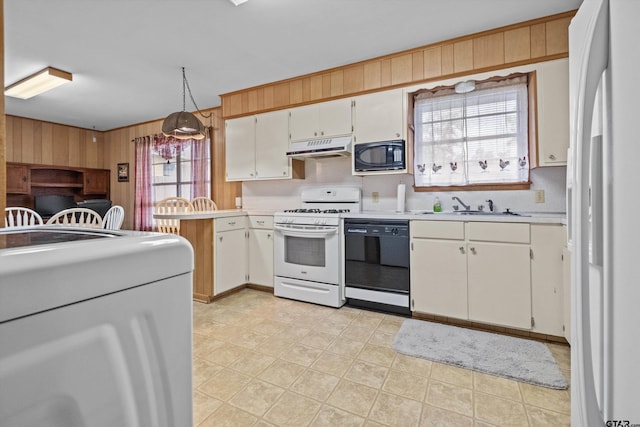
479,137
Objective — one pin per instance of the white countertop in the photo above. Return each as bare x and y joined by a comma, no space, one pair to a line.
201,215
528,217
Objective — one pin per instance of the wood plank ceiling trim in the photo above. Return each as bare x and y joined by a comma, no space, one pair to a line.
538,40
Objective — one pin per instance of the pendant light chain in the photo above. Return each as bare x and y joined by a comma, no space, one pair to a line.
185,82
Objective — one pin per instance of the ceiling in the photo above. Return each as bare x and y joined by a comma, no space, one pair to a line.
125,55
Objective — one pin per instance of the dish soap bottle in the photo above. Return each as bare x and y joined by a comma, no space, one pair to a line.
437,207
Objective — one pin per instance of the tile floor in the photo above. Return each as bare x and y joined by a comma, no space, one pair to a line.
266,361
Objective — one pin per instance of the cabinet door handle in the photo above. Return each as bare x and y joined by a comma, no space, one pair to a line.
473,250
322,133
397,135
552,156
231,223
260,221
461,249
315,134
220,238
24,179
268,236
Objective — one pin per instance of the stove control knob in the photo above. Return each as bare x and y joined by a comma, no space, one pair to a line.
394,231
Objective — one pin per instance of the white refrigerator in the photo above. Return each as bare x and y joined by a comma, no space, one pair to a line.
603,211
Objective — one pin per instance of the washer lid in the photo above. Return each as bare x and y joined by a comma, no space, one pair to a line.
45,267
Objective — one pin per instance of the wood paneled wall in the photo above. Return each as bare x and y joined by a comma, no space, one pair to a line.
538,40
119,148
35,141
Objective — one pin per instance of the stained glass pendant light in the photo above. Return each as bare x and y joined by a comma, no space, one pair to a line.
183,124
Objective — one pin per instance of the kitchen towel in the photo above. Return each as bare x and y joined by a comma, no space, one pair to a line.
509,357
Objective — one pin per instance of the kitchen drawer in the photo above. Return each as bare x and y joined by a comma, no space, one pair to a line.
498,232
438,229
230,223
261,221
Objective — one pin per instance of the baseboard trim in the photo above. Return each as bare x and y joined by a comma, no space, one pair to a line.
490,328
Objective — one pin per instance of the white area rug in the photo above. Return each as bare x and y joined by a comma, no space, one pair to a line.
509,357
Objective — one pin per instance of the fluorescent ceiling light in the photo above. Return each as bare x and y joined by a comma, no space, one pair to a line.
38,83
238,2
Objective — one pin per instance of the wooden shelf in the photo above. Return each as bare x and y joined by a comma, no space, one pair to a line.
26,181
55,185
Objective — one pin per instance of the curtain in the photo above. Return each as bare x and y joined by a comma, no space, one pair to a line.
473,138
200,181
143,196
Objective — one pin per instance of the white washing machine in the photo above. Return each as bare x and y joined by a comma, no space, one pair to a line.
95,328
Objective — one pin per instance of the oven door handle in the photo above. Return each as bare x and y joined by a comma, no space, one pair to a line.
307,232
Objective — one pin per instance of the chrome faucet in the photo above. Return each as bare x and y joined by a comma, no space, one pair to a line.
490,204
466,207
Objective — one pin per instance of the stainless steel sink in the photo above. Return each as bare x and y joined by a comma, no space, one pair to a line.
471,212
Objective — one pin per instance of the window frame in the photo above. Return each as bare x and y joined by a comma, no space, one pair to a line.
179,182
531,136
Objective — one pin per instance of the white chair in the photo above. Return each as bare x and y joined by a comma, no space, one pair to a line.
201,204
21,217
78,217
171,205
114,218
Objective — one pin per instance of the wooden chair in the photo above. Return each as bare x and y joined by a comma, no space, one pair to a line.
114,218
77,217
172,205
21,217
203,204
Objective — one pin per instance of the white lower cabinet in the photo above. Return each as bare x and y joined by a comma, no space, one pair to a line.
506,274
261,250
230,253
499,273
499,284
438,269
566,287
546,278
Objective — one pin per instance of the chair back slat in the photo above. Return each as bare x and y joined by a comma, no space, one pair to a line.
203,204
77,217
114,218
171,205
21,217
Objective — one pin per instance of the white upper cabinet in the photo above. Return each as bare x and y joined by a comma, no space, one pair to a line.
322,120
552,81
272,143
378,116
256,147
240,153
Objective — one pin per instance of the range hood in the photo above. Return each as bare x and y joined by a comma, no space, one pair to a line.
327,147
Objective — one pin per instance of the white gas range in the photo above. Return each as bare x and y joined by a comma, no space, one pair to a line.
308,246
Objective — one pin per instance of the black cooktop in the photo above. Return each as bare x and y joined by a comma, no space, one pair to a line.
22,238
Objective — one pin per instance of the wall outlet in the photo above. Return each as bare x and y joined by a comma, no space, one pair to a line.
539,196
375,197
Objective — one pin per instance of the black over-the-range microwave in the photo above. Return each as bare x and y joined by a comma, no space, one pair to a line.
379,156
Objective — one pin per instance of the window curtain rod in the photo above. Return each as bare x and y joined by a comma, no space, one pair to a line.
209,128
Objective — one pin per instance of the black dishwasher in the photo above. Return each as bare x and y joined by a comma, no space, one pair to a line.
377,264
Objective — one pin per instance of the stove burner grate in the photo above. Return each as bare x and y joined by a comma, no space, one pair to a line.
329,211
